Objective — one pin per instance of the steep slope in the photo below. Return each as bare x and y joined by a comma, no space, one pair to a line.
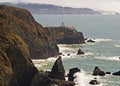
22,23
16,66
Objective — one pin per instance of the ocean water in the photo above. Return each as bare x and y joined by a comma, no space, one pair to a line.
104,53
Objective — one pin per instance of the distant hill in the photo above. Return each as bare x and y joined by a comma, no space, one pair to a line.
52,9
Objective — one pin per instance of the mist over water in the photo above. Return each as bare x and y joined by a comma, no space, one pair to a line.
104,53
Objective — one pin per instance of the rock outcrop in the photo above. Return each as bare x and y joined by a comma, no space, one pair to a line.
21,22
58,71
65,35
80,52
72,72
98,71
54,78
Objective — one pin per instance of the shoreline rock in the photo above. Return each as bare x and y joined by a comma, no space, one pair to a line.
98,71
116,73
72,72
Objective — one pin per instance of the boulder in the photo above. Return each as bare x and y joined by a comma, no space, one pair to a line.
58,71
116,73
97,71
94,82
72,72
80,52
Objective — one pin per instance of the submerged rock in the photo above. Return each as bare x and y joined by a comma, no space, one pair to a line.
72,72
116,73
90,40
80,52
58,71
97,71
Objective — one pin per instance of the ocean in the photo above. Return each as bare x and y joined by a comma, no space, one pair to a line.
104,53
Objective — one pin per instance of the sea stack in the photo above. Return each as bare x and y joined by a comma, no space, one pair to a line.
58,71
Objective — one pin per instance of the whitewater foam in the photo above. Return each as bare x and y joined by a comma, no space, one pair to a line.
117,45
83,79
115,58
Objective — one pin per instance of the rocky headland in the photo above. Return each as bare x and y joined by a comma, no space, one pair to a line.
65,35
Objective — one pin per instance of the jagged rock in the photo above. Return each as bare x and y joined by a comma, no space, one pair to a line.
80,52
72,72
58,71
116,73
90,40
94,82
97,71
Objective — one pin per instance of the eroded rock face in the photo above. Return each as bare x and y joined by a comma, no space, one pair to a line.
22,23
15,59
58,71
16,66
6,71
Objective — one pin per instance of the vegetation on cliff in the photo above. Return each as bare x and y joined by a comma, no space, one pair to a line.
21,22
20,39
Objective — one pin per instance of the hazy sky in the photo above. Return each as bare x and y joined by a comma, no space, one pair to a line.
106,5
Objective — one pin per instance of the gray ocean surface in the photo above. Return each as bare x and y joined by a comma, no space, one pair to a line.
104,53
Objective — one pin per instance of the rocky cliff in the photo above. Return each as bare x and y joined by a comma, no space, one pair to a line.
20,39
16,67
65,35
21,22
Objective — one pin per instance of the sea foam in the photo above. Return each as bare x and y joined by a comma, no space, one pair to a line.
83,79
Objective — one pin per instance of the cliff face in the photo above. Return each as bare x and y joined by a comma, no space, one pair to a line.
16,66
22,23
21,38
65,35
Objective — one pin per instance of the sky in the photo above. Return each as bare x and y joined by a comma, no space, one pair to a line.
104,5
